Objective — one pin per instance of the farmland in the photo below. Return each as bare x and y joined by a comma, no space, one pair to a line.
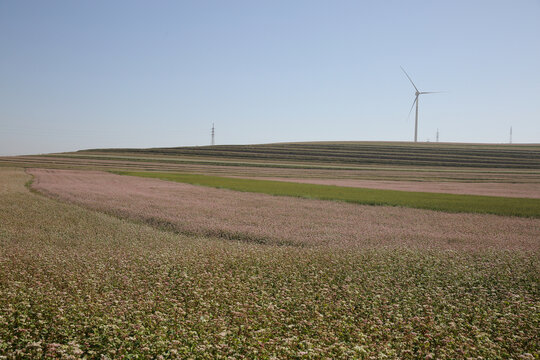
466,155
442,202
517,190
99,265
261,218
427,162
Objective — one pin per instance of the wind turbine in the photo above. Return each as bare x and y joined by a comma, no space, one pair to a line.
417,95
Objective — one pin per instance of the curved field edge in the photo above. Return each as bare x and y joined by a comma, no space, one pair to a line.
521,207
76,283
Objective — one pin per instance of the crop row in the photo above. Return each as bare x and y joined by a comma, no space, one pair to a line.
365,153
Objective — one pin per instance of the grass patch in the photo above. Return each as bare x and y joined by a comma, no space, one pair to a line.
433,201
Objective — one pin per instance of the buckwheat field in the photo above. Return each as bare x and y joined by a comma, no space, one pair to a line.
102,266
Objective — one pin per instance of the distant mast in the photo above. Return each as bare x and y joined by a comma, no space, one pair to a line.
510,134
437,135
213,133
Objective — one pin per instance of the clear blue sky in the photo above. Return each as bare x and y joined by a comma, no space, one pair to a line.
89,74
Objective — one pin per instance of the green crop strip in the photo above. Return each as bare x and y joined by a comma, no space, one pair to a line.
433,201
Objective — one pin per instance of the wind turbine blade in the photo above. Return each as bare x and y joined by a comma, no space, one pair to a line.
414,102
431,92
408,77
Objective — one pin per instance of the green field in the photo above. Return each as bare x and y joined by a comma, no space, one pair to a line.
432,201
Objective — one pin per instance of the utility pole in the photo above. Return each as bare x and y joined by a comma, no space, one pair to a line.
213,133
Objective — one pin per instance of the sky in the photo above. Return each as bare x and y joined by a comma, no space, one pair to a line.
100,74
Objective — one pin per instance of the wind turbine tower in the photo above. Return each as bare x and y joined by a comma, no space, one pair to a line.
510,134
213,133
437,135
417,95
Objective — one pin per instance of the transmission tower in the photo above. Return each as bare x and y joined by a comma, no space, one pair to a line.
213,133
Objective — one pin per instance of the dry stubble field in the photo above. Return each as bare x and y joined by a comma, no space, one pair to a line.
381,283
